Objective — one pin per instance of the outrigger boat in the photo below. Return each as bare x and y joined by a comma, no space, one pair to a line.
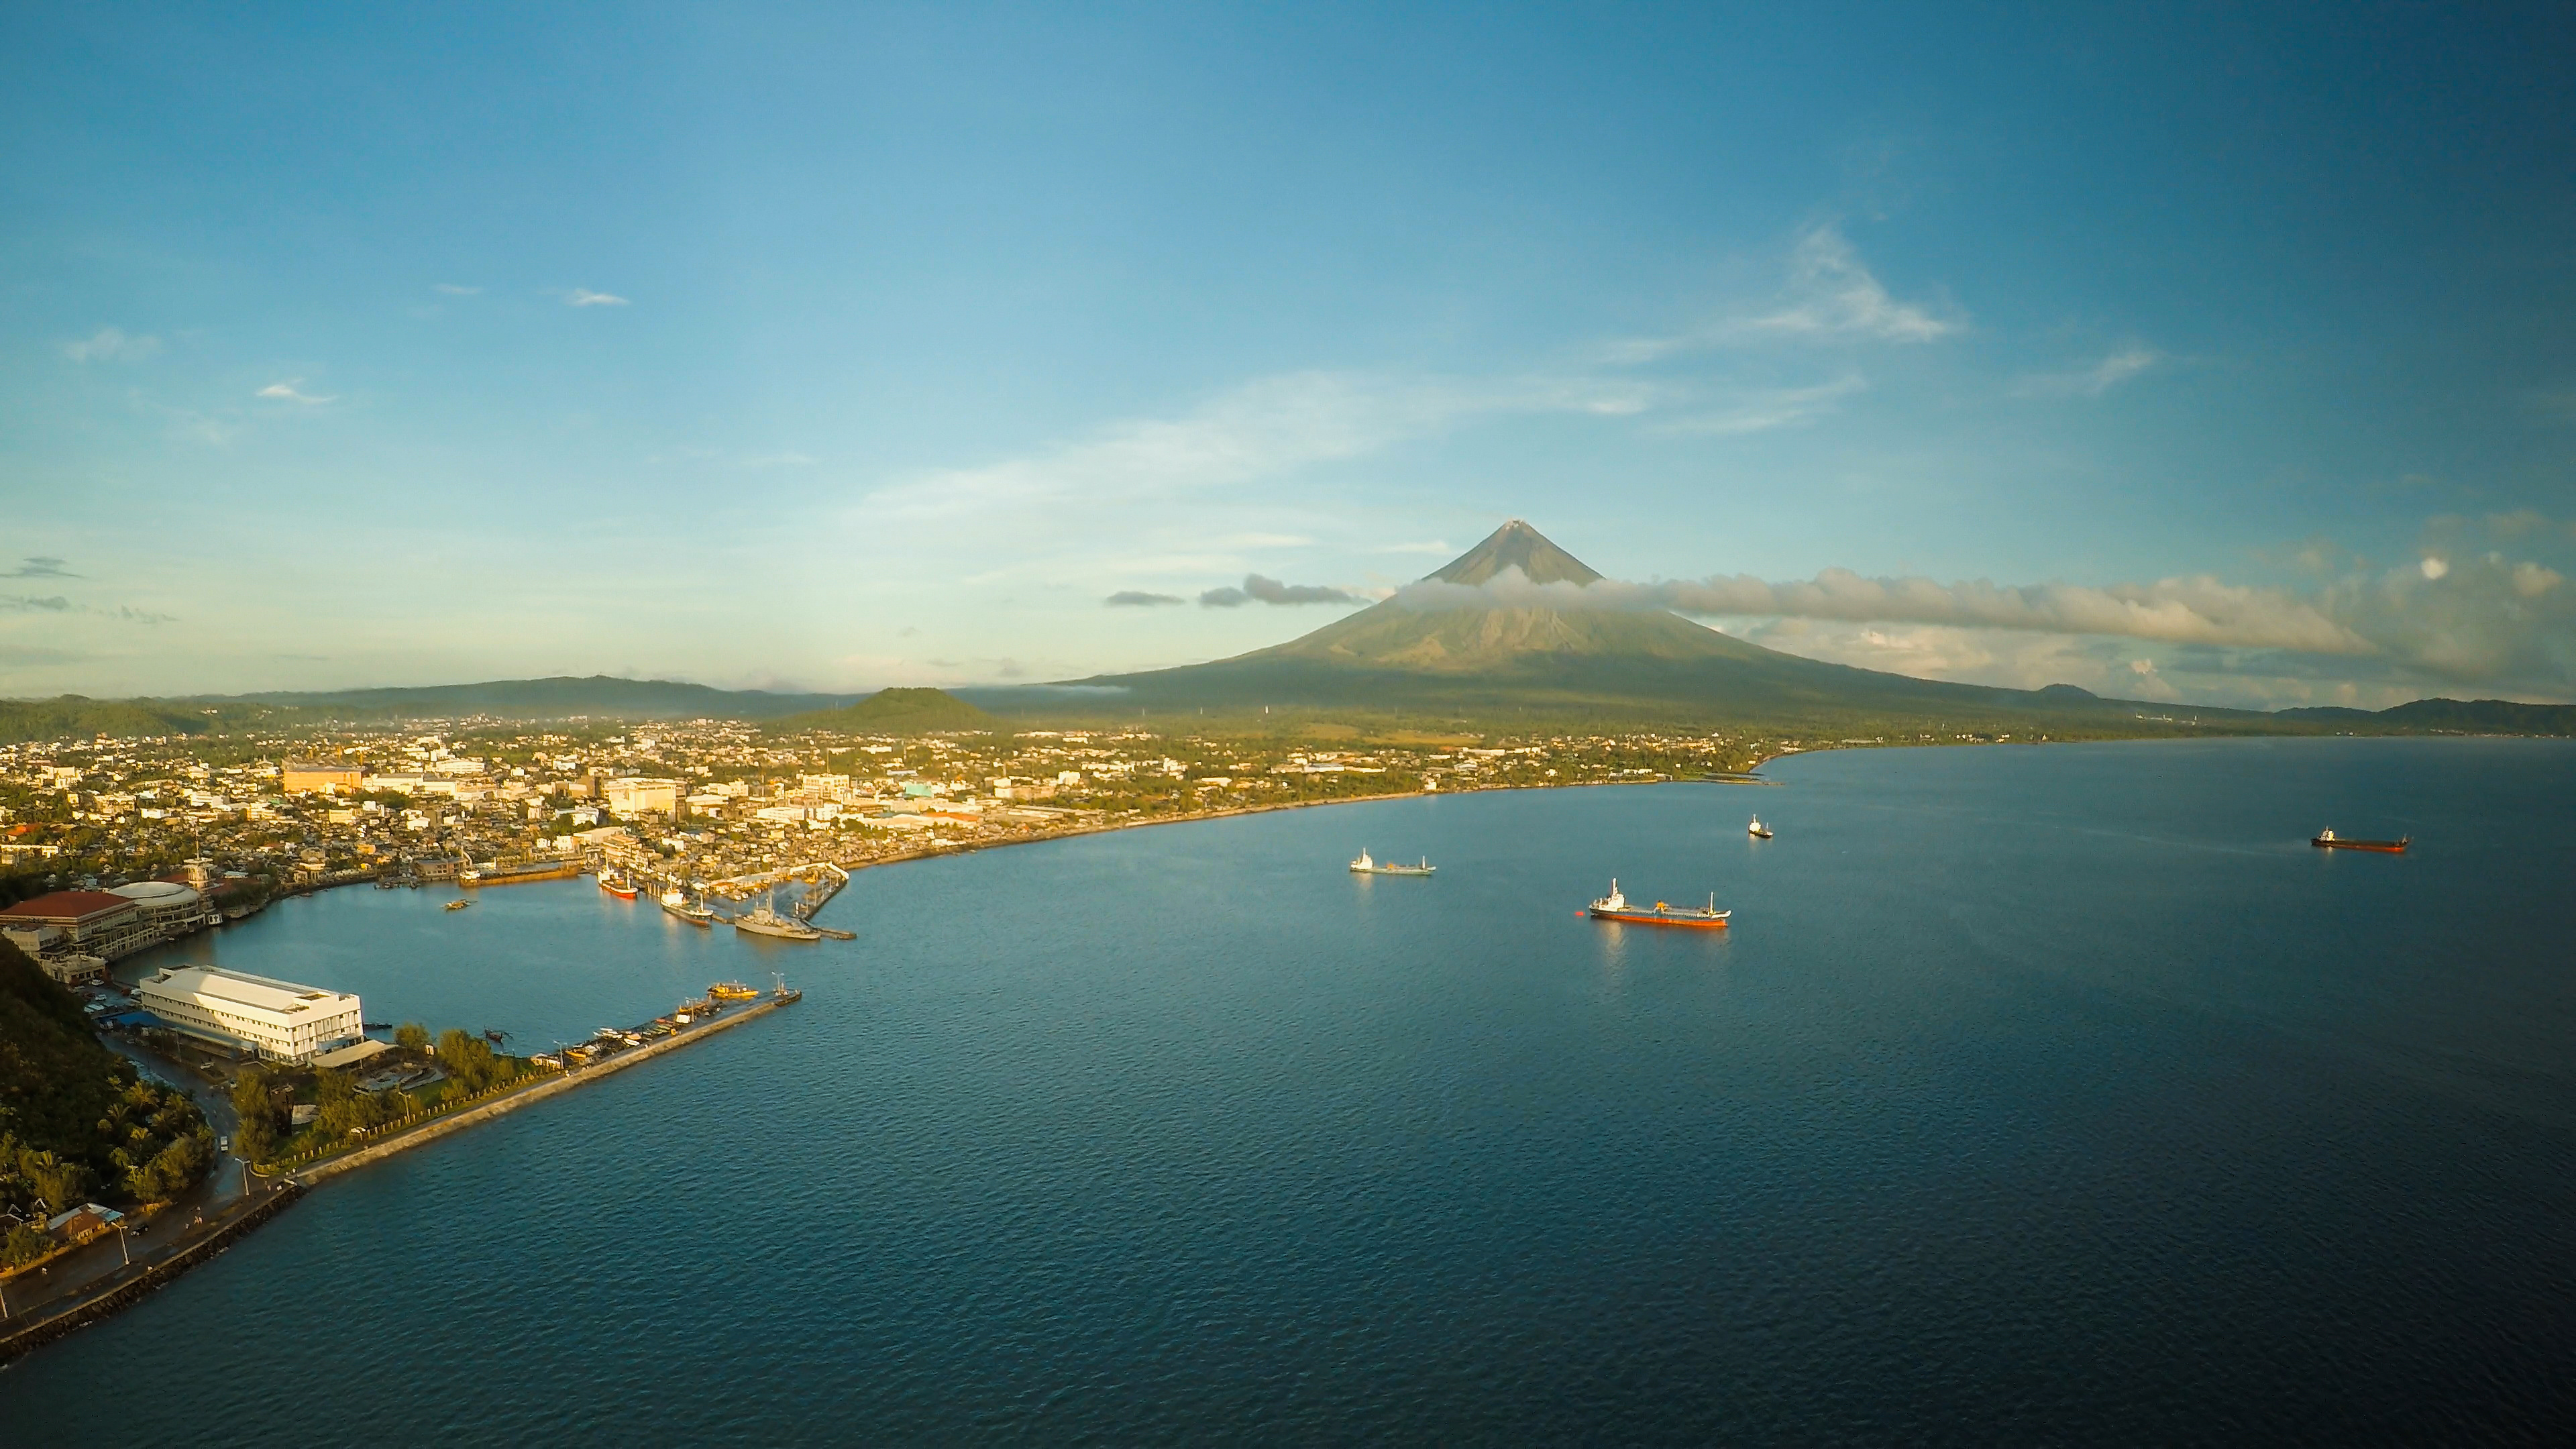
2328,840
1758,830
1366,866
1615,907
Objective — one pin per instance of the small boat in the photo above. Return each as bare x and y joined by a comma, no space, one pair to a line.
455,905
676,901
2328,840
1758,830
733,991
1615,907
1365,866
617,886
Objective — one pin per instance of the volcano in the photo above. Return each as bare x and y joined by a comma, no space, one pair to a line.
1512,625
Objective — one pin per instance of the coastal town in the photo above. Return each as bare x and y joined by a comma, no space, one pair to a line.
190,830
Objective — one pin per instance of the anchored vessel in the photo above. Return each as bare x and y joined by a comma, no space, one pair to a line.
1366,866
455,905
2328,840
764,920
617,886
1615,907
1758,830
676,901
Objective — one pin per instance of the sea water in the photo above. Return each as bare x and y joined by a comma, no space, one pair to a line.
2036,1094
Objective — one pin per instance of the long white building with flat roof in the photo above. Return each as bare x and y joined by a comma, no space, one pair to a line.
276,1018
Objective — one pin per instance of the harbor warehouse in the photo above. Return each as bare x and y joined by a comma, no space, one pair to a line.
277,1018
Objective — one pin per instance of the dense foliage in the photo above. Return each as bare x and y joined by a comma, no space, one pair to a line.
76,1121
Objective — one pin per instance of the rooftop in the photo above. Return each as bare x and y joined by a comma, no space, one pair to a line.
67,906
240,988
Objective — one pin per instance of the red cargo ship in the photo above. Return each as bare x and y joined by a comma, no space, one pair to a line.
1615,907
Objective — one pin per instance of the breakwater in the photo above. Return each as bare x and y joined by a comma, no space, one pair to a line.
564,1081
128,1285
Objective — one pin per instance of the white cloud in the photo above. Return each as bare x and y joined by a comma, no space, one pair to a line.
456,289
2434,566
1260,430
112,344
1831,296
2092,381
585,297
287,392
1775,408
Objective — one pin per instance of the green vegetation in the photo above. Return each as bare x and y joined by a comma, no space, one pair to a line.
552,698
74,716
266,1096
894,712
76,1121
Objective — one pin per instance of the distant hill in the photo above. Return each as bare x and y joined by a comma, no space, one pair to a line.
73,716
894,712
2476,716
598,695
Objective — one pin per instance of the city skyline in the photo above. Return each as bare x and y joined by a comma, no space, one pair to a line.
2207,357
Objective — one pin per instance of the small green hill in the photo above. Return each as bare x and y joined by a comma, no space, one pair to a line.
73,716
75,1120
894,712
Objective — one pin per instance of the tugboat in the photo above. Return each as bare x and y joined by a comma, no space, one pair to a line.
618,886
1758,830
1615,907
2328,840
1366,866
676,901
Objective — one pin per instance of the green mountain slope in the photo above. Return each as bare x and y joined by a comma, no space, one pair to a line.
557,697
894,712
2474,716
75,1121
73,716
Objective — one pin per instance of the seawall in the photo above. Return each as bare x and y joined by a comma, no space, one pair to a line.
128,1286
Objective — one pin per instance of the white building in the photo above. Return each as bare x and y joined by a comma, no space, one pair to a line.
167,906
276,1018
634,795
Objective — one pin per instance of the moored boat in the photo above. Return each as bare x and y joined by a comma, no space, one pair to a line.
2328,840
764,920
617,886
1367,866
1616,907
733,991
676,901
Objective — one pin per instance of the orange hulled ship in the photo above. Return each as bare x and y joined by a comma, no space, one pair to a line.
1615,907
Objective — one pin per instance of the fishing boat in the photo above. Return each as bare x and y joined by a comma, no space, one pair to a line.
1366,866
2328,840
676,901
618,886
455,905
1616,907
733,991
1758,830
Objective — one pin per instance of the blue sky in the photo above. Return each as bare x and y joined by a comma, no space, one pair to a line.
2193,354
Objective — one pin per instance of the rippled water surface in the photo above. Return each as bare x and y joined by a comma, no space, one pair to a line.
2038,1095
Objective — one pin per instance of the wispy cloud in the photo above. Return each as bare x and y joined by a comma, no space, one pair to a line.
37,567
1139,599
585,297
456,289
1762,411
25,604
1259,430
2101,377
112,344
1435,547
1257,589
1831,295
287,391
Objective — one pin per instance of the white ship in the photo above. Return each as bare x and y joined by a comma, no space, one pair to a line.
1366,866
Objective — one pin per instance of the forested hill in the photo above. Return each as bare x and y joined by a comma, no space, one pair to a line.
2471,716
73,716
894,712
558,697
75,1121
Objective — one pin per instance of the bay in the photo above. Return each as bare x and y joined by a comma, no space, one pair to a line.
2055,1094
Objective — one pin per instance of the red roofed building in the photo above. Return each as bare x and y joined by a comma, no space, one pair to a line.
93,923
